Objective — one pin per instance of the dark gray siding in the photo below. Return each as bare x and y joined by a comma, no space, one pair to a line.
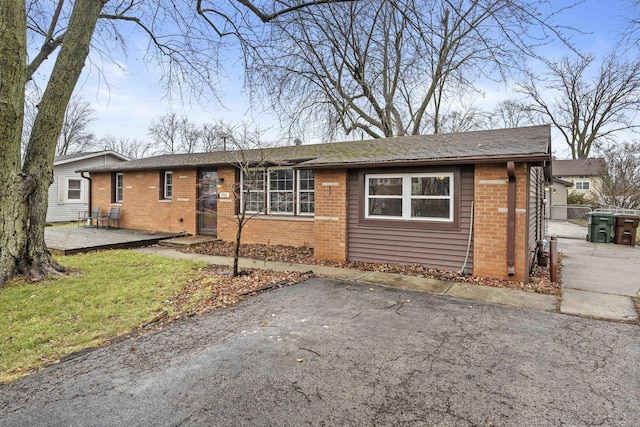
410,242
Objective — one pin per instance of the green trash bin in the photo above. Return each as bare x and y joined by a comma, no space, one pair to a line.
600,227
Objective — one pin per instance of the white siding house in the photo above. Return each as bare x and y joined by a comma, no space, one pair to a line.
69,192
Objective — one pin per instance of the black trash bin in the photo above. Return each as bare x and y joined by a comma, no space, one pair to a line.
626,227
600,227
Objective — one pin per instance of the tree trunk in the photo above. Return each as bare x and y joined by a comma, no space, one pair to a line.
22,231
236,250
13,185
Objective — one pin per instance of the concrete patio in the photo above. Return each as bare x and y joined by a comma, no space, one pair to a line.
65,240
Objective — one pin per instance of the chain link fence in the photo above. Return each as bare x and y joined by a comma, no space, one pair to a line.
577,214
572,221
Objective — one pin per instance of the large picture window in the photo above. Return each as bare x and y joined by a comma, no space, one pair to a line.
281,191
411,196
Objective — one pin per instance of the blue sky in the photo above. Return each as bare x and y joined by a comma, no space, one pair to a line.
133,97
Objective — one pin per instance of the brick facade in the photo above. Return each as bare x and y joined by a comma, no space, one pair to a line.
326,232
142,206
331,215
490,221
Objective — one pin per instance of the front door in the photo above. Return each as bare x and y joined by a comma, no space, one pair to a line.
208,202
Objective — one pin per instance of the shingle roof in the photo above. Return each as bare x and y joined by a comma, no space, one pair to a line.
67,158
526,144
578,167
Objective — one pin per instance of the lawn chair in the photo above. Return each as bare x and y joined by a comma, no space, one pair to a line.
86,219
112,217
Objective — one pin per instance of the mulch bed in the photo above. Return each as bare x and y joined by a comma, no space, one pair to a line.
539,279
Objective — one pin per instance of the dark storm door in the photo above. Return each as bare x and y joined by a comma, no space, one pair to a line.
208,202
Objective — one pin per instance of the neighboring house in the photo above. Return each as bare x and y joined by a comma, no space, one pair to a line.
69,192
584,174
408,199
556,201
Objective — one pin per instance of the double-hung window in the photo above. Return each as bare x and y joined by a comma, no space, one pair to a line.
410,196
74,190
281,194
253,189
280,191
167,185
118,187
306,192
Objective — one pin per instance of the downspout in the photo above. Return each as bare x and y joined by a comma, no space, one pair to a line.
511,219
89,196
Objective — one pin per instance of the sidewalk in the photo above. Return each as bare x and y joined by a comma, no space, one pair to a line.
511,297
599,279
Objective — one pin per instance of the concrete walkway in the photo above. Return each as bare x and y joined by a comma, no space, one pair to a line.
599,279
511,297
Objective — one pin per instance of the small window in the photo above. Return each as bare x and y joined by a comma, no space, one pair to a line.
74,190
582,185
118,187
167,186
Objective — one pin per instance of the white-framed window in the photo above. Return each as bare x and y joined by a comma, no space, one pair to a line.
253,190
71,190
281,191
582,185
167,184
410,196
118,187
281,195
306,192
74,190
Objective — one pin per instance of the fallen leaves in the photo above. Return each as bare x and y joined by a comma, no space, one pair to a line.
214,288
539,281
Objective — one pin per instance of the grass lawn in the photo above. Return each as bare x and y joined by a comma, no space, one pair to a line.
112,293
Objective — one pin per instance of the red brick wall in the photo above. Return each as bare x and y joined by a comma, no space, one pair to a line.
266,229
326,232
331,215
142,207
490,222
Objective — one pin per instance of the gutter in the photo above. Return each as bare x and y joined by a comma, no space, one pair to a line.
511,219
89,196
527,158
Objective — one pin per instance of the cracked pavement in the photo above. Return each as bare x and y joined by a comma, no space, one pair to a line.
328,352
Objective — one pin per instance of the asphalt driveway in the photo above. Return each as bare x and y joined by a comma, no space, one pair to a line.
333,353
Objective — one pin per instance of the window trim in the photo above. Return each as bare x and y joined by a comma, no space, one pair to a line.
81,198
266,191
167,195
258,191
407,197
116,188
293,191
582,183
299,192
